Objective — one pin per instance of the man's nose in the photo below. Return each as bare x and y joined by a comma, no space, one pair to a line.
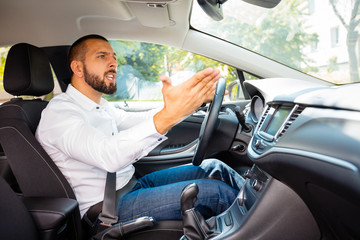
113,63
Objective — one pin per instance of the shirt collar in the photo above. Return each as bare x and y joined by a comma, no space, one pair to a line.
83,100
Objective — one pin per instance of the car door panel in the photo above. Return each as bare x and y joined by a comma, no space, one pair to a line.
179,148
176,150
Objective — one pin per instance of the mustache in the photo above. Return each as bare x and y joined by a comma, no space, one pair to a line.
111,71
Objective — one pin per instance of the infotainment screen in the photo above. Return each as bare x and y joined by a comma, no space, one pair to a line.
275,119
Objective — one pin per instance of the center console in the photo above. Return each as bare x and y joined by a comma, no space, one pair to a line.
265,209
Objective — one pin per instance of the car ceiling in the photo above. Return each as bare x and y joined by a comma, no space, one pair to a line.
50,22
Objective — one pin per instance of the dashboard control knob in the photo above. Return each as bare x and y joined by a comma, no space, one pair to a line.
257,185
242,194
238,148
247,174
259,144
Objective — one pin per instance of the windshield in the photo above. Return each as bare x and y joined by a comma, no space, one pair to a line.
319,38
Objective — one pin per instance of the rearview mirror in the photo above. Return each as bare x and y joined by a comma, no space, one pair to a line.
213,8
264,3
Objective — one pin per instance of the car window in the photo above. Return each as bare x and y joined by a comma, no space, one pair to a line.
4,96
319,38
141,64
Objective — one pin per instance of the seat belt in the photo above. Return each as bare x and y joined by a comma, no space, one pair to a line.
107,216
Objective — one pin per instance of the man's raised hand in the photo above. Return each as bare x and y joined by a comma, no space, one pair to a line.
182,100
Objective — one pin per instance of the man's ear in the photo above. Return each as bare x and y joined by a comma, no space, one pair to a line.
78,68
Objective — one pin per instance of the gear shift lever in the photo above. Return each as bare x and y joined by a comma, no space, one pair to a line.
188,197
194,224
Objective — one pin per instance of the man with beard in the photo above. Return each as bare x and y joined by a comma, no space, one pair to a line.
88,137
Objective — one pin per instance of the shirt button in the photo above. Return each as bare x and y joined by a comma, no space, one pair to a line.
159,139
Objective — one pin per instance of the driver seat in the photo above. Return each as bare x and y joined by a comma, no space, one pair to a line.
28,72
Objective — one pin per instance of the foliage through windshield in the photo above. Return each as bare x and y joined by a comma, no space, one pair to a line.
319,38
138,73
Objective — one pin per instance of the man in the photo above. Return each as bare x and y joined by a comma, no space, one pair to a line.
87,137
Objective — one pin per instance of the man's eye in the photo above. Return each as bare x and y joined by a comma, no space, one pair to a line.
101,56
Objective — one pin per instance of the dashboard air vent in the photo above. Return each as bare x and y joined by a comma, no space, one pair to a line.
264,116
296,112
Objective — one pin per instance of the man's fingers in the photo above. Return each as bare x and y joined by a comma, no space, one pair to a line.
206,85
209,86
166,81
209,81
209,96
199,76
203,77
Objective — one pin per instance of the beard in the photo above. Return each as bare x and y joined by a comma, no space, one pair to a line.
99,84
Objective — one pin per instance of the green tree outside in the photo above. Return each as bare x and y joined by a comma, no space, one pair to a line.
351,24
153,60
3,54
149,61
278,34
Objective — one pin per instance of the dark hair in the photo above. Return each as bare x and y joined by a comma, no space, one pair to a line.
78,48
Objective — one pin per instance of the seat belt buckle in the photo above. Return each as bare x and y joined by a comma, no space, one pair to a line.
107,221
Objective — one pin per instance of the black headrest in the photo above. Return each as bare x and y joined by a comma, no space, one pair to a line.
27,71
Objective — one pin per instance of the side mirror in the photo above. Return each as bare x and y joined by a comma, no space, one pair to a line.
234,90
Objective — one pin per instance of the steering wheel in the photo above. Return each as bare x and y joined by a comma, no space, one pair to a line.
209,123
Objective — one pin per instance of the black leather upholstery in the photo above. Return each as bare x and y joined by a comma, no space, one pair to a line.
27,71
58,56
15,222
34,170
33,218
50,214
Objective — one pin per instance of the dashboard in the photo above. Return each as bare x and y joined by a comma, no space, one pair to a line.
308,137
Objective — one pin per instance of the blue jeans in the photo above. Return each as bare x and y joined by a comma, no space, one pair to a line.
158,194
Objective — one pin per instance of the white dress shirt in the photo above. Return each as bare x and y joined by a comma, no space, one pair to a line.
86,140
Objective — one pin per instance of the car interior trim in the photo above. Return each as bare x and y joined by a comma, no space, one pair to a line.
316,156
